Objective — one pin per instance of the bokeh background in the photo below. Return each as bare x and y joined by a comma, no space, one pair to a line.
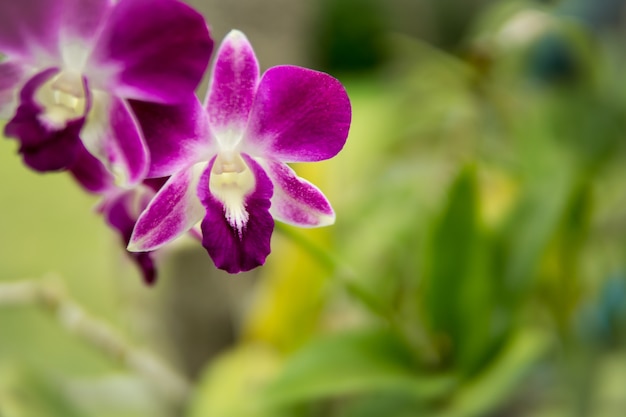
477,266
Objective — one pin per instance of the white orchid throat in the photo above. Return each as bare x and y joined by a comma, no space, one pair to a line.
231,181
63,98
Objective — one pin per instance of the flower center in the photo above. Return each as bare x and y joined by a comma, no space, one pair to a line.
63,98
230,182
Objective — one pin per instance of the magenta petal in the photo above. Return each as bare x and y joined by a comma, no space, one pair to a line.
82,19
121,210
90,173
173,211
112,135
161,47
297,201
43,147
233,84
298,115
229,250
127,148
177,135
145,262
29,27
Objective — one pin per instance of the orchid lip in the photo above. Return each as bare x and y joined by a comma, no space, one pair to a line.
231,181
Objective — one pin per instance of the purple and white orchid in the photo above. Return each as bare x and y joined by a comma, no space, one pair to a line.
70,66
227,159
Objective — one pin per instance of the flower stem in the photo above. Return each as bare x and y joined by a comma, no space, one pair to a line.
51,297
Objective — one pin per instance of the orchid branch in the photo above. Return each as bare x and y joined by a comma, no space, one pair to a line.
50,296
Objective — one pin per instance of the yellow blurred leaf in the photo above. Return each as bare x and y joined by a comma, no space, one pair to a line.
231,386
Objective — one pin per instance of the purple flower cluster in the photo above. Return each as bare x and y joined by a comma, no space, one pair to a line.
105,89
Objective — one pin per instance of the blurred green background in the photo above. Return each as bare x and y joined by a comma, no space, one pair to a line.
477,266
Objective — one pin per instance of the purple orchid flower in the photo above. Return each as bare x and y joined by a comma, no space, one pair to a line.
69,67
227,160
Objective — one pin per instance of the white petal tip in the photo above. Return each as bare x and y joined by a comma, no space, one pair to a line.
133,247
236,35
139,245
326,220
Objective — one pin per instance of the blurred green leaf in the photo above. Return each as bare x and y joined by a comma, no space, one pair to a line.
462,282
353,362
29,394
476,397
451,254
494,385
387,404
560,275
546,191
458,289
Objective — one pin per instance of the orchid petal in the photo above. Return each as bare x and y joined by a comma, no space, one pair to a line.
29,28
233,84
231,249
11,77
296,201
298,115
174,210
90,173
121,211
81,24
83,19
177,135
145,262
112,135
43,146
157,49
